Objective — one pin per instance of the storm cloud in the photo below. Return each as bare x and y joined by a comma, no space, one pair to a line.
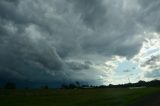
48,40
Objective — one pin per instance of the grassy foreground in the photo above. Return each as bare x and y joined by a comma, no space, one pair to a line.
74,97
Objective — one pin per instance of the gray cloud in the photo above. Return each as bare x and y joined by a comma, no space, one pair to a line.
126,71
78,66
92,12
149,14
152,63
110,34
154,74
153,66
40,37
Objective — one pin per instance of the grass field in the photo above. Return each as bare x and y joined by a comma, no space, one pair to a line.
74,97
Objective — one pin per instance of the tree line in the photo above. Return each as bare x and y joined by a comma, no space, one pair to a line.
77,85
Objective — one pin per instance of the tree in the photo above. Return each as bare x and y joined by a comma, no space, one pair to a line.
77,84
10,85
72,86
64,86
46,87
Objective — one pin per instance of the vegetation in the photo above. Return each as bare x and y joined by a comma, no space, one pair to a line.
74,97
10,85
75,94
153,83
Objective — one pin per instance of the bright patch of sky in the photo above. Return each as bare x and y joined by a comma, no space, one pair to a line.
132,70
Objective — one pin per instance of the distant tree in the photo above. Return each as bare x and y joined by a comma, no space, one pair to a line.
102,86
141,83
72,86
154,83
85,86
10,85
26,88
110,85
77,84
64,86
46,87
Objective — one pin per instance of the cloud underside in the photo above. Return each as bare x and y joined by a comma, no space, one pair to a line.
72,39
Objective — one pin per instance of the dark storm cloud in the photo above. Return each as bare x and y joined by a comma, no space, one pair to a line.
78,65
149,14
8,11
39,38
20,56
111,34
92,12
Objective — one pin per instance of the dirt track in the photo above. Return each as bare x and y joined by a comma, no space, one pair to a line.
151,100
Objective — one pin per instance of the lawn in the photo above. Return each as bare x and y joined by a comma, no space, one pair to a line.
74,97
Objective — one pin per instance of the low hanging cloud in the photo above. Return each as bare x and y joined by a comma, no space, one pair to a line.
71,39
153,67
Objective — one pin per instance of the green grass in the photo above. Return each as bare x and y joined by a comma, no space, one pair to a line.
75,97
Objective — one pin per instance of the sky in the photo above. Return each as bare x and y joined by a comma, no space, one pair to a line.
91,41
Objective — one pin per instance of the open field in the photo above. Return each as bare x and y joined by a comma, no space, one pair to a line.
75,97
